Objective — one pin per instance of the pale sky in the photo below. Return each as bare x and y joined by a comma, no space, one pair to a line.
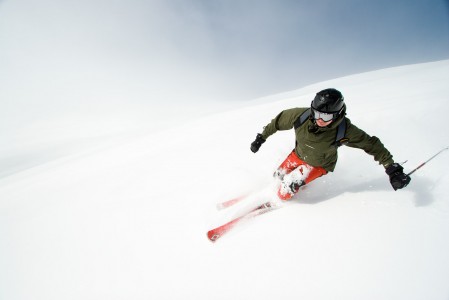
61,54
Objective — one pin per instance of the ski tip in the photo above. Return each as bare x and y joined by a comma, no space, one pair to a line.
230,202
212,236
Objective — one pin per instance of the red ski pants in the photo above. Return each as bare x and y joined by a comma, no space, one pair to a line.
293,161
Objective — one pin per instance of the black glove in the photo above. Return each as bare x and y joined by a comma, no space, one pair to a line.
257,143
398,179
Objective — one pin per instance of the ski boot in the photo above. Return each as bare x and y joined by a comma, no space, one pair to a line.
288,189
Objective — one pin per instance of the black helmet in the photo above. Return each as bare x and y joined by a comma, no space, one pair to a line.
328,101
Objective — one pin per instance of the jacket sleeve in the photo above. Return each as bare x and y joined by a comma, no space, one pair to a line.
283,121
370,144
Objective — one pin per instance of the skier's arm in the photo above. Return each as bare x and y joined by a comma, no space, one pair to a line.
283,121
373,146
370,144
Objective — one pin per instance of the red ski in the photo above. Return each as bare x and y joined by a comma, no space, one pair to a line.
216,233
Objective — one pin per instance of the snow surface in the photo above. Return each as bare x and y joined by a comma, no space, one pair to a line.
128,220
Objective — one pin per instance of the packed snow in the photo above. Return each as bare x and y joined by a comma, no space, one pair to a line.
127,218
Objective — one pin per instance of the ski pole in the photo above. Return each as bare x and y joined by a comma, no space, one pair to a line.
417,168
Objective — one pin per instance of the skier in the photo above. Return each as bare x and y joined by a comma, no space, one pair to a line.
319,131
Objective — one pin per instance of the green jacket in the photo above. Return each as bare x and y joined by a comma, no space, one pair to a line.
315,145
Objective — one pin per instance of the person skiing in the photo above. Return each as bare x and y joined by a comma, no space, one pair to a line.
320,129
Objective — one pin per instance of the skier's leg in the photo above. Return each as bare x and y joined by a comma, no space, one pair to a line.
288,165
300,176
315,173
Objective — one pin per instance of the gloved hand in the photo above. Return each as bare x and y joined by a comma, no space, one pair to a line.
257,143
398,179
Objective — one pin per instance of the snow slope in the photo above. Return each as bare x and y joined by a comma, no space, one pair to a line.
129,220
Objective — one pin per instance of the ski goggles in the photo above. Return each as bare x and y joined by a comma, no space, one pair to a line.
326,117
